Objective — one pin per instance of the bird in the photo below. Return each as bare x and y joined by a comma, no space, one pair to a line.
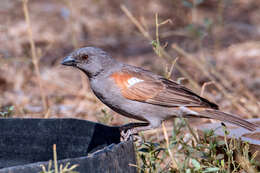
141,94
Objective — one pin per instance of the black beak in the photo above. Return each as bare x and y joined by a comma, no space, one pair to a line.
69,61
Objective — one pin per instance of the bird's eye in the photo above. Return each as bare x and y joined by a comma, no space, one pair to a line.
83,57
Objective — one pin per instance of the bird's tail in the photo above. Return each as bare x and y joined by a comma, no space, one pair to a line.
227,117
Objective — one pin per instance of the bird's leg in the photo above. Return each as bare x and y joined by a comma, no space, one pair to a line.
132,125
127,131
134,132
132,129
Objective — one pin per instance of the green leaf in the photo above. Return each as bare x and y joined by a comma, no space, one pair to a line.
223,163
11,108
154,43
195,163
188,171
159,149
208,133
220,143
145,150
215,169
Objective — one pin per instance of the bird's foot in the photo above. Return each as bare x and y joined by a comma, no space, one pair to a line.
127,135
131,134
130,131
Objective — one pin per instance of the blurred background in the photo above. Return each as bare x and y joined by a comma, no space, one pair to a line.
210,46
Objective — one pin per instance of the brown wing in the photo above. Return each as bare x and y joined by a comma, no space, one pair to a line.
138,87
175,94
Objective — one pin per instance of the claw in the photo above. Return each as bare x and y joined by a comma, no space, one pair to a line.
132,135
127,135
130,131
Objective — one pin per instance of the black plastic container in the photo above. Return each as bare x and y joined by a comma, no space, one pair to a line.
25,144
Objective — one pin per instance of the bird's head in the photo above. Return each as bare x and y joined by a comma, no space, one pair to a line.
90,60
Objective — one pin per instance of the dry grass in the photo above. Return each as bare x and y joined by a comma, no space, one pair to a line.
34,56
50,38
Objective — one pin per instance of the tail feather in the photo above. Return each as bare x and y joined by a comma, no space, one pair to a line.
222,116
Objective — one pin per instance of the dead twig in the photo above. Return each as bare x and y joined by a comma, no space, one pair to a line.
174,162
204,86
34,55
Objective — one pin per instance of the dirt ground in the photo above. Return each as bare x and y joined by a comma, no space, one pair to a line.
222,36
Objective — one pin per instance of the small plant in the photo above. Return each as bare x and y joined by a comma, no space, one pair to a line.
192,154
7,111
149,156
65,169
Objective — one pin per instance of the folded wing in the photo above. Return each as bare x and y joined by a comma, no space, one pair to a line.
144,88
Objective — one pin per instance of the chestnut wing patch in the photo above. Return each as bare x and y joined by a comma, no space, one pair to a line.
136,87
